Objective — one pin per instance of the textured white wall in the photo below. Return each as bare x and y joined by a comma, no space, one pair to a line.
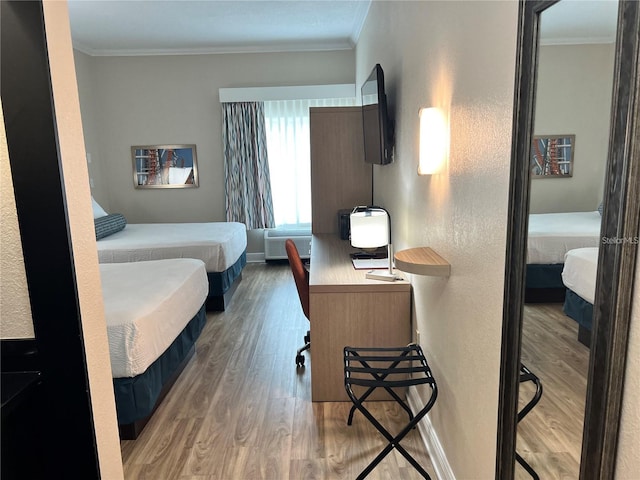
628,460
574,97
84,251
15,310
174,99
459,56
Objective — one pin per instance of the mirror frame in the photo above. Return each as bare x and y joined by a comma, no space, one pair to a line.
33,145
616,261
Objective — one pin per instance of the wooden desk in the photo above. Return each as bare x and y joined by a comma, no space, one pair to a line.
348,309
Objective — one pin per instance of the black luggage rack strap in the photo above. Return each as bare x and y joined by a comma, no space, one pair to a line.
410,365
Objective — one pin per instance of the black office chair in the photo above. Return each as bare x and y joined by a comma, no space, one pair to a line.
301,277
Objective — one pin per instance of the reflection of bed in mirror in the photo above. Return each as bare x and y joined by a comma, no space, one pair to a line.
220,245
154,313
550,237
579,276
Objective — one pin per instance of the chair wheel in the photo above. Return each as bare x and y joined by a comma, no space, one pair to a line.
300,360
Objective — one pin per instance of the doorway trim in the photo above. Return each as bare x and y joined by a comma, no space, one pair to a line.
616,262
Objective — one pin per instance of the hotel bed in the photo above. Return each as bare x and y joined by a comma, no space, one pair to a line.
220,245
154,313
579,277
550,237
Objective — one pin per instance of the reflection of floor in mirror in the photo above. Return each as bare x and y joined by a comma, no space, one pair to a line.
550,436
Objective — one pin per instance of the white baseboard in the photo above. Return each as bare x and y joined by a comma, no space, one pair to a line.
255,257
430,439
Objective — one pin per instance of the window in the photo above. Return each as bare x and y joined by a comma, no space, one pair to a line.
288,146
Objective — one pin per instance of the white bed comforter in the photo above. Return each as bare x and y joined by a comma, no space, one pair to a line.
579,272
552,235
147,304
217,244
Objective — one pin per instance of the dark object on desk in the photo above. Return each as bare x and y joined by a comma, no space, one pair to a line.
344,224
301,277
378,253
527,376
389,368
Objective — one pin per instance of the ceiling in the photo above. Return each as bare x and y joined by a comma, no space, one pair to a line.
152,27
579,21
148,27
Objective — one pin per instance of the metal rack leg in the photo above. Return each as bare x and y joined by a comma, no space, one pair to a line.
394,442
527,376
527,467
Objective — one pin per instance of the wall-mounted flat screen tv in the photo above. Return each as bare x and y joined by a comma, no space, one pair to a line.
376,125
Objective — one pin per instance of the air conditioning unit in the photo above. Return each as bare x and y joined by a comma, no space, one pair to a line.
274,239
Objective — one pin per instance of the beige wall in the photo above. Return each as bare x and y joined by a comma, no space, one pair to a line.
459,56
15,310
174,99
628,460
574,97
76,187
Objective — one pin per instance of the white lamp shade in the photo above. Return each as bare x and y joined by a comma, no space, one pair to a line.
369,228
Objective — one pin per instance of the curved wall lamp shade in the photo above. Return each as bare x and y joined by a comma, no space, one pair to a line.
434,141
369,227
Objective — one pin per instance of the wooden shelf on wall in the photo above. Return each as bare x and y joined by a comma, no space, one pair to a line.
422,261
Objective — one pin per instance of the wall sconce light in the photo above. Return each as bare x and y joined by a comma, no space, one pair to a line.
434,141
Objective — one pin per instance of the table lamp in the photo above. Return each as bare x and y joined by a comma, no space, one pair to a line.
370,229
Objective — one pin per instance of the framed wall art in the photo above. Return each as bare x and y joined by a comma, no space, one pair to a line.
552,156
164,166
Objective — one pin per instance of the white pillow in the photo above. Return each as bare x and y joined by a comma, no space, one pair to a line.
98,211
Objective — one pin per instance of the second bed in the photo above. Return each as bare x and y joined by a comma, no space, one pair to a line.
579,277
550,237
220,245
154,312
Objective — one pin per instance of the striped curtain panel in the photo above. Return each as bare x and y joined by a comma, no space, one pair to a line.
246,167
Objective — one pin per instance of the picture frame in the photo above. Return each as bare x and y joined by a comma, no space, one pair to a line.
165,166
552,156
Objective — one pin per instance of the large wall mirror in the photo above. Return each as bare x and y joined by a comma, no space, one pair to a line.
576,76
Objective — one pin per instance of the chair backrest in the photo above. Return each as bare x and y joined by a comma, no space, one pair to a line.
300,274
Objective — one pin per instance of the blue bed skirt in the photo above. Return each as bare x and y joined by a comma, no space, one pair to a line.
543,283
544,276
221,282
579,309
136,397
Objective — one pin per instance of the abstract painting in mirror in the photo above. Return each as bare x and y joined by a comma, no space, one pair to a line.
164,166
552,156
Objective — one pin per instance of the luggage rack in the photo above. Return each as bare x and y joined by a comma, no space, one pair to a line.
527,376
388,368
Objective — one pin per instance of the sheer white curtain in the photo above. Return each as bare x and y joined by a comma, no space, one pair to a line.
287,126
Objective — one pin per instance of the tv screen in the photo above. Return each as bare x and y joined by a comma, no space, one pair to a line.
376,127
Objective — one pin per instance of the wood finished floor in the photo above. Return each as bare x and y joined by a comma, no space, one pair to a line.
240,410
550,436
